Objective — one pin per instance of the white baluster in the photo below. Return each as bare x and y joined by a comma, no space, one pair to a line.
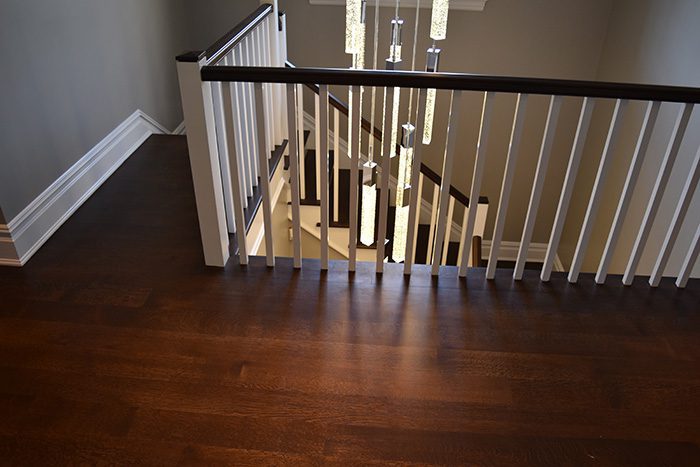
236,171
317,139
648,124
302,149
597,193
336,163
507,185
294,174
251,119
322,151
674,146
677,222
453,125
264,171
281,61
568,188
689,261
540,173
384,187
241,128
218,104
354,168
479,166
416,183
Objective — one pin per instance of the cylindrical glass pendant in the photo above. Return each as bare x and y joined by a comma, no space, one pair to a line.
438,22
432,62
353,15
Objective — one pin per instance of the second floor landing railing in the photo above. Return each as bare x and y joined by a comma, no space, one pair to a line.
653,98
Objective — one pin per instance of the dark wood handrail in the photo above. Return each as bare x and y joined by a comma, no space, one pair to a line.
434,177
229,40
453,81
225,43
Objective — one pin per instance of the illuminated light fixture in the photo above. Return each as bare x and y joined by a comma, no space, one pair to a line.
393,63
438,21
355,45
369,202
395,121
432,62
405,164
398,249
359,57
353,16
402,193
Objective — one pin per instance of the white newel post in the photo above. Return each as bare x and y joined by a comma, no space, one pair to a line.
197,106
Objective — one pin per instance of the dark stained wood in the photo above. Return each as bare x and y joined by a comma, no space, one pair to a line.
452,81
435,177
117,346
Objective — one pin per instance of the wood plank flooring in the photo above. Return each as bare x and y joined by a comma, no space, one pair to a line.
118,347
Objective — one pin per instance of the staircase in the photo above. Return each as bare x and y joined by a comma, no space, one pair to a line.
339,229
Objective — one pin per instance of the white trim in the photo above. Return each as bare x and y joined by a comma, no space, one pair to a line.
180,129
508,251
8,254
35,224
467,5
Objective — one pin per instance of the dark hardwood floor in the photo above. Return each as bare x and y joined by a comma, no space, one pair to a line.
117,346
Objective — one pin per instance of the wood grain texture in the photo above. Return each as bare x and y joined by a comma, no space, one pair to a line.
118,347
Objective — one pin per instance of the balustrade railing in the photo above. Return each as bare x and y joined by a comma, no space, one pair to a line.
251,100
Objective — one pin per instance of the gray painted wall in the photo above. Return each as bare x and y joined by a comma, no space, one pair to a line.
648,41
72,71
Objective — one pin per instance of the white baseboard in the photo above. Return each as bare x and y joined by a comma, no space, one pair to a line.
32,227
180,130
8,254
509,252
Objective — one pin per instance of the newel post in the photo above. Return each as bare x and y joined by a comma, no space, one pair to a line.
197,106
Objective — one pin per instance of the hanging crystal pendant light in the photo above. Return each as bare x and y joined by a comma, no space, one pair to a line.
353,11
393,63
438,32
369,202
432,61
369,169
438,21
